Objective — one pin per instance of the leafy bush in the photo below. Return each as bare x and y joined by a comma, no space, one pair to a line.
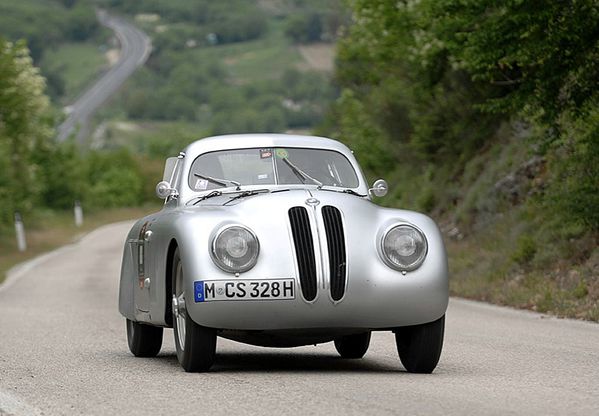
240,27
115,187
526,249
81,23
24,120
574,189
62,170
304,28
46,24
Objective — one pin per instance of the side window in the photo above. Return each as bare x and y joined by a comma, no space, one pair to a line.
172,172
169,169
177,172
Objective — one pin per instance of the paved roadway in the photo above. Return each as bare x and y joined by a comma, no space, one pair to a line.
63,351
135,49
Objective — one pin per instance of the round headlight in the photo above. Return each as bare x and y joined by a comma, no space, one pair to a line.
404,247
235,249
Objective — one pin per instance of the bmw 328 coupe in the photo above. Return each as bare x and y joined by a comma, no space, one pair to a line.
273,240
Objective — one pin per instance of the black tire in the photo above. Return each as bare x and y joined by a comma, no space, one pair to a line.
419,346
199,349
144,340
353,346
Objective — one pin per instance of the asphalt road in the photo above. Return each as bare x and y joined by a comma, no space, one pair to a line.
135,49
63,350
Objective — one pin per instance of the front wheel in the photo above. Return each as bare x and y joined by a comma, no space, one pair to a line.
419,346
144,340
195,344
353,346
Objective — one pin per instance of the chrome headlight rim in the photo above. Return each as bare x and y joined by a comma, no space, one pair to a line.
413,265
218,261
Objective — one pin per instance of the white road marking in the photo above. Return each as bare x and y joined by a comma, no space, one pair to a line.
13,406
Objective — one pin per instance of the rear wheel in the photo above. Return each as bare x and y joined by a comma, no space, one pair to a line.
144,340
353,346
195,344
419,346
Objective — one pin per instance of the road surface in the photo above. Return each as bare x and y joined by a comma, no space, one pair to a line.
135,49
63,351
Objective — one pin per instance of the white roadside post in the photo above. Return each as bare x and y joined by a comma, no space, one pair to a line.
78,214
20,232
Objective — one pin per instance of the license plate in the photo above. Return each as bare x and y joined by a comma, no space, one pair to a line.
271,289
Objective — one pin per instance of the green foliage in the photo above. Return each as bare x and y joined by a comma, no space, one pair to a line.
61,169
38,173
356,128
69,68
80,23
526,249
231,21
99,179
24,120
115,187
304,28
440,78
574,188
249,23
46,26
543,55
181,86
581,290
308,21
487,112
245,79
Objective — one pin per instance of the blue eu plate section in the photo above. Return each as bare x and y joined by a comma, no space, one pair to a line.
198,291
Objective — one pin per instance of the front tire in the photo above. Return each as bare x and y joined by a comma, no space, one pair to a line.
195,344
353,346
419,346
144,340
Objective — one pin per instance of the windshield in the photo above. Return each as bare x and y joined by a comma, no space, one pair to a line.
271,166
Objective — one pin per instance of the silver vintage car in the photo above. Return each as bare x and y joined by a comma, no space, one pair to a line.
273,240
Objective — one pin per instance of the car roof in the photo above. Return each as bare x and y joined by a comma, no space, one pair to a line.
239,141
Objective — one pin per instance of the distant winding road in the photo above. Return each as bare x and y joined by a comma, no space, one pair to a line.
63,351
135,49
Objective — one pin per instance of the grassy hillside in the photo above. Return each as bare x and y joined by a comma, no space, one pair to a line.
262,59
507,245
212,81
78,63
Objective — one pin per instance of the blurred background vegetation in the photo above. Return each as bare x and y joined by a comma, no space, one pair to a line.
482,114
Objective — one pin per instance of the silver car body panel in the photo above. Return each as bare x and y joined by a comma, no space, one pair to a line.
376,296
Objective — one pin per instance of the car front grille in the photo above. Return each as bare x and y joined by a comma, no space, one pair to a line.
333,226
305,254
304,250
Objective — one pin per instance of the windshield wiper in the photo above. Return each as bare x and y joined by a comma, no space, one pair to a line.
352,192
245,194
300,173
344,191
209,195
218,181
